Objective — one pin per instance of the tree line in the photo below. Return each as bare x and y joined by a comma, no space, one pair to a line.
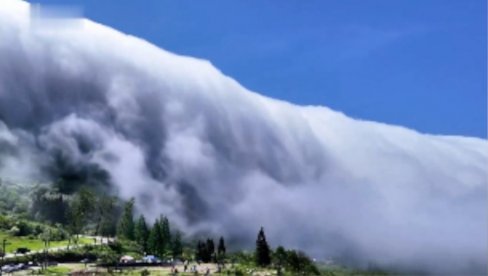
157,240
102,215
206,252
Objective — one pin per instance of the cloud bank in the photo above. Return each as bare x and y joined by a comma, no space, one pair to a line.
190,142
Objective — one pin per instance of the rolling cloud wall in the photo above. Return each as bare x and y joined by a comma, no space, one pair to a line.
190,142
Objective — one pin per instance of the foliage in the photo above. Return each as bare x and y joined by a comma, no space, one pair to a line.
156,240
177,246
80,210
141,233
262,253
166,233
337,270
221,249
48,205
294,261
205,251
13,198
105,213
21,227
242,257
33,243
125,229
56,270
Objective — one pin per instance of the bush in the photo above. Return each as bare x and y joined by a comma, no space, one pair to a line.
25,228
108,258
14,231
295,261
58,234
5,222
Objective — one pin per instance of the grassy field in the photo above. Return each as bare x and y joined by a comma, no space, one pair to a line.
34,244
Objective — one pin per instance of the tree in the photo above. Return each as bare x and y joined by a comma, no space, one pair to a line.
177,246
205,250
105,213
201,251
166,233
221,249
141,233
280,256
125,228
262,253
80,210
155,242
299,262
210,250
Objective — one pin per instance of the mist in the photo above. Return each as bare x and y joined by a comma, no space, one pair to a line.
187,141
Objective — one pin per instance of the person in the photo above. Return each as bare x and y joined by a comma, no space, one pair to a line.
207,272
185,267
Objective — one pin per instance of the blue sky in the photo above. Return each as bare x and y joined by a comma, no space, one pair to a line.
416,63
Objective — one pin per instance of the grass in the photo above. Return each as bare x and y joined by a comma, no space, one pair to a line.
57,270
34,244
336,270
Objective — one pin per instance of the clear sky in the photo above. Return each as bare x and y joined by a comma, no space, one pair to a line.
416,63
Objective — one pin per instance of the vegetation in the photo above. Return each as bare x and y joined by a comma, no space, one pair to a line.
263,257
125,229
221,250
141,233
177,246
35,243
56,218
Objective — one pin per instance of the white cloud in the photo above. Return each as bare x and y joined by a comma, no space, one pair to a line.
187,141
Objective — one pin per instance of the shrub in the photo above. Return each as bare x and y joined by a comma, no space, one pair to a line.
14,231
25,228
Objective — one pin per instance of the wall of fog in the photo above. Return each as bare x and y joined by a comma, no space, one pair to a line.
190,142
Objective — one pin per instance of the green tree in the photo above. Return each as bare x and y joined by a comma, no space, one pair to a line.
177,246
155,242
166,233
80,211
210,256
105,213
203,252
141,233
221,249
262,254
298,262
280,256
125,228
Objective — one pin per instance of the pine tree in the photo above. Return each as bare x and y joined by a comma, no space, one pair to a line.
262,250
201,251
155,242
177,246
166,233
105,222
210,251
221,249
141,233
125,228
